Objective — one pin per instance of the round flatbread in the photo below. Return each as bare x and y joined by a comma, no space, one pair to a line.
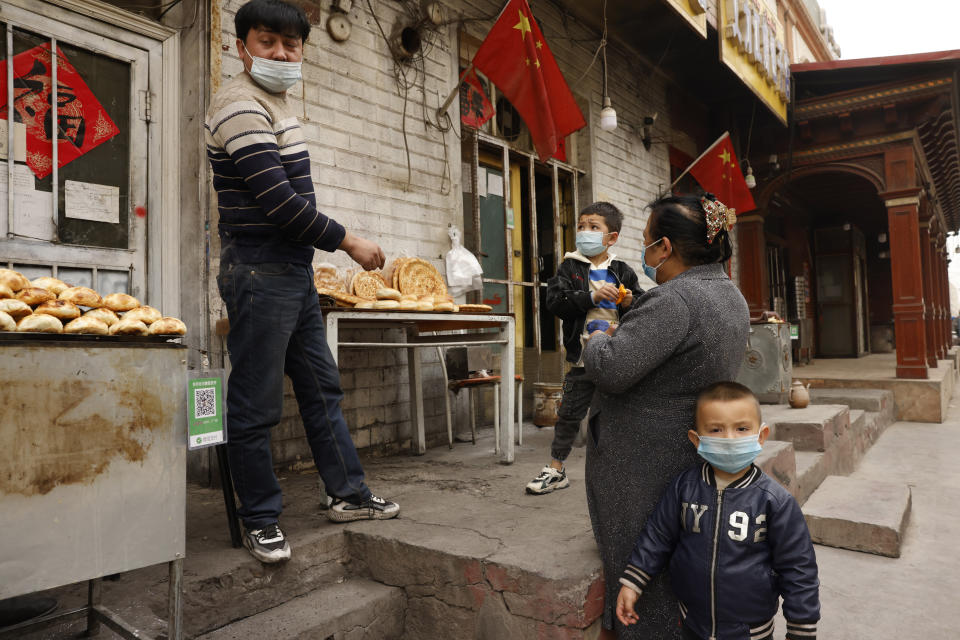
365,284
7,323
446,307
6,292
386,304
128,328
393,271
120,302
40,324
386,293
424,306
13,279
82,297
34,295
53,285
87,325
144,314
408,305
420,277
475,308
168,326
16,308
326,276
58,309
342,298
365,304
105,316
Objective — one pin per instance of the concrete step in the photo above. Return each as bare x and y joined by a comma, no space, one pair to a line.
811,471
860,515
353,609
865,399
813,428
778,461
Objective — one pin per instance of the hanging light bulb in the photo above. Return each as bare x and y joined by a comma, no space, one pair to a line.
608,116
749,179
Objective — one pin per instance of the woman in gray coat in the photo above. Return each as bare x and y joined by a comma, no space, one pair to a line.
679,337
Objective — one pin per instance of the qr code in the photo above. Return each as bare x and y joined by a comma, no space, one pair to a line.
205,402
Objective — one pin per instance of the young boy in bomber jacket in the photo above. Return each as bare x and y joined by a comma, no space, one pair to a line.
735,540
590,292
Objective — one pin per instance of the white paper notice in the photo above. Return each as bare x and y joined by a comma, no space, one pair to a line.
494,185
89,201
465,178
481,182
23,179
19,141
32,211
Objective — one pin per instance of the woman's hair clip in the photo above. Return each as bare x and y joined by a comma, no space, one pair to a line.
718,217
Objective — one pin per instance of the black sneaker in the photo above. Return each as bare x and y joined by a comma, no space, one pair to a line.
267,545
373,508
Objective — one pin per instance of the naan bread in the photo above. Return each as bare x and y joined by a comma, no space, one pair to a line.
16,308
40,324
144,314
5,291
88,325
120,302
34,295
475,308
386,304
58,309
387,293
6,322
340,296
105,316
366,283
364,304
128,328
82,297
52,285
168,326
408,305
13,279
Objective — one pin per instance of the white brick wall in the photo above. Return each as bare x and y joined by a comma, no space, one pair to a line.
351,111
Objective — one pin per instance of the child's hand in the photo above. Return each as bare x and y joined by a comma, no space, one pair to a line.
607,292
626,602
627,299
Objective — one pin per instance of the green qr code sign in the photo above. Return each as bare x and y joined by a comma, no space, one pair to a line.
205,418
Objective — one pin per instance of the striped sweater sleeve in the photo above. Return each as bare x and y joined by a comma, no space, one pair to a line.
245,131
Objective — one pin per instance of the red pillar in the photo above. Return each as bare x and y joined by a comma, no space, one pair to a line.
752,258
938,295
905,266
945,296
928,276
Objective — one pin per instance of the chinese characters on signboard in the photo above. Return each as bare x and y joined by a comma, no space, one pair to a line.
81,121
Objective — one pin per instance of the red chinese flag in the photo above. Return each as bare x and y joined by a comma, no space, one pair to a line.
516,58
718,172
82,122
475,106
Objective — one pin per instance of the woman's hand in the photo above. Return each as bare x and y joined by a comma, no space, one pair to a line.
626,602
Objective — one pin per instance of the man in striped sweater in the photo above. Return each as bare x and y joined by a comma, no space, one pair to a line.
269,228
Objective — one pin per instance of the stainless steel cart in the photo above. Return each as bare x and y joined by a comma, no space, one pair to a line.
92,466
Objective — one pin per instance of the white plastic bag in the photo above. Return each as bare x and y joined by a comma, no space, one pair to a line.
464,272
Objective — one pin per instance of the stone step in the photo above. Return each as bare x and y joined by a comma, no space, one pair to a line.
861,515
778,461
865,399
811,470
813,428
353,609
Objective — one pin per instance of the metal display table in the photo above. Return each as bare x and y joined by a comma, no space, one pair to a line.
92,468
433,330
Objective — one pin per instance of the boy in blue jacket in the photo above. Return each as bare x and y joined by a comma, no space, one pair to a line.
735,540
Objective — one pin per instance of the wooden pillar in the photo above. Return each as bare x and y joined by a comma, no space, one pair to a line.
938,296
944,296
929,286
907,279
752,258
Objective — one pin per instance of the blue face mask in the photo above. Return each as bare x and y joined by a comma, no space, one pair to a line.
730,454
274,75
590,243
650,272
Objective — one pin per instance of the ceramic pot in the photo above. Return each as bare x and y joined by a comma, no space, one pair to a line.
799,395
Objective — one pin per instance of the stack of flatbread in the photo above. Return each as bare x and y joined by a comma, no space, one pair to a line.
49,305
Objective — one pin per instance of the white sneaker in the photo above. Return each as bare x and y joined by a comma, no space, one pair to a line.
547,480
267,545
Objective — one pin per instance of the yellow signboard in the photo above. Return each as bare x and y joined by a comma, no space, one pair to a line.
752,45
694,12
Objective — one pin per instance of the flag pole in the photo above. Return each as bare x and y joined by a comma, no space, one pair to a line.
699,158
456,89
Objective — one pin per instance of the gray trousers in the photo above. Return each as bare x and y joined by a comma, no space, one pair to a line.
574,404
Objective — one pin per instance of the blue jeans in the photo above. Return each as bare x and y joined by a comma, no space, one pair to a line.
276,328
